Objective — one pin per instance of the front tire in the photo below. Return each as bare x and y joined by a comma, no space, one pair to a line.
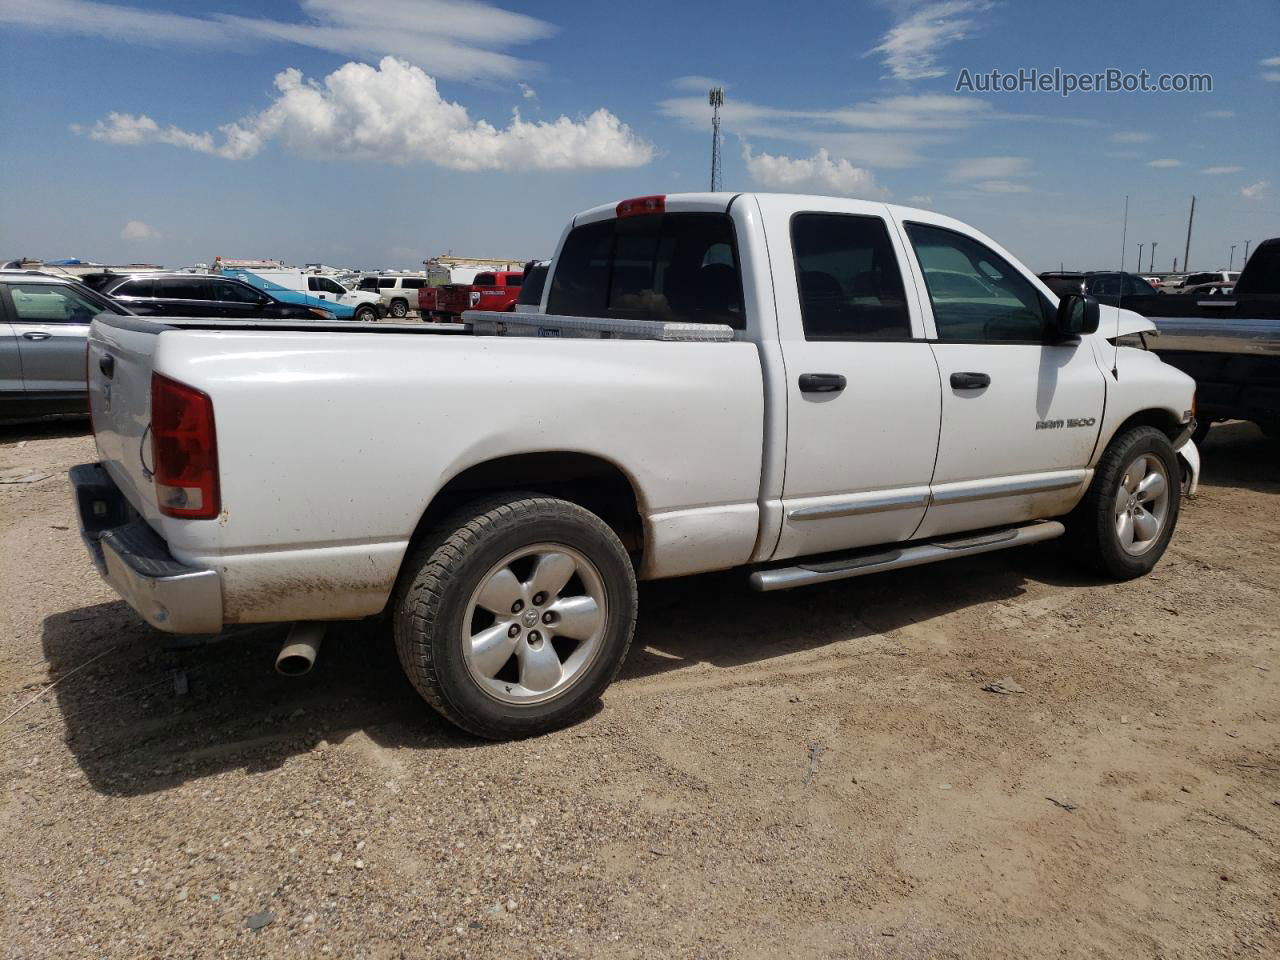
514,615
366,314
1124,524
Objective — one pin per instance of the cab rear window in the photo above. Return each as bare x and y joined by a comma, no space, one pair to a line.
669,267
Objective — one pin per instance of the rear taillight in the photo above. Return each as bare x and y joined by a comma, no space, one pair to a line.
638,206
184,450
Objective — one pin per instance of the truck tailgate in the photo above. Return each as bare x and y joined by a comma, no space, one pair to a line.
121,354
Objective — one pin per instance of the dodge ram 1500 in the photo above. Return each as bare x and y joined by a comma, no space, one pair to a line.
804,388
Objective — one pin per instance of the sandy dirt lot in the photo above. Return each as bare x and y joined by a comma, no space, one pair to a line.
809,774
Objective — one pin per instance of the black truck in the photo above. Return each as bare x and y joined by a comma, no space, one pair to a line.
1229,342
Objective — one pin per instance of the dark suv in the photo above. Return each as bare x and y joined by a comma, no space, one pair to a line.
198,295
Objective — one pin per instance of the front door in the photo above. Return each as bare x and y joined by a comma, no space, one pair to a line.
1020,412
862,383
51,324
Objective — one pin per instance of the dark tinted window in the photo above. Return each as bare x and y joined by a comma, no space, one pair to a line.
485,280
976,295
368,283
1262,273
412,283
385,283
140,287
182,288
531,288
228,291
650,268
512,279
850,284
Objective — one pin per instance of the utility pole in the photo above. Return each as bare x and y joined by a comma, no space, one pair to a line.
1175,264
1246,255
1140,246
1153,256
1186,254
716,99
1232,262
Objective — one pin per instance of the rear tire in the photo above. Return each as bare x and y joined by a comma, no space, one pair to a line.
399,309
1125,522
482,601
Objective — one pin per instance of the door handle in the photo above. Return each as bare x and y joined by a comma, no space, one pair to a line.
36,335
822,382
970,381
107,364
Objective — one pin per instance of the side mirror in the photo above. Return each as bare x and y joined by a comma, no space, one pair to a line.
1077,316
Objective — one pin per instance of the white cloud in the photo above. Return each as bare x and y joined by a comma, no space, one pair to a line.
1002,186
394,113
1219,170
920,199
1255,191
458,39
990,168
1164,162
912,46
1270,62
1130,136
819,173
137,230
527,91
1218,114
1271,77
696,81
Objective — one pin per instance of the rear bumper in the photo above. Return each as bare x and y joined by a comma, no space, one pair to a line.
132,557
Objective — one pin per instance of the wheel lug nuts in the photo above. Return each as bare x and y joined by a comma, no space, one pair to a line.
539,599
548,617
514,630
535,637
517,606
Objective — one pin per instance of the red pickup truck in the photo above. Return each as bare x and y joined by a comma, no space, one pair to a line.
488,291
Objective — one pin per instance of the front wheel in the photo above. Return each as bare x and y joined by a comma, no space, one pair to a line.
1125,522
515,614
366,314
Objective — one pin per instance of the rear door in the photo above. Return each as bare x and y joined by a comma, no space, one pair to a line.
1020,412
862,398
50,323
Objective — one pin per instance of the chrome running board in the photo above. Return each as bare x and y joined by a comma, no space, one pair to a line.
907,555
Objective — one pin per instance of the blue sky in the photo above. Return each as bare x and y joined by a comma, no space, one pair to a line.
382,132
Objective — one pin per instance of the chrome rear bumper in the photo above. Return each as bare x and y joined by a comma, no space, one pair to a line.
133,558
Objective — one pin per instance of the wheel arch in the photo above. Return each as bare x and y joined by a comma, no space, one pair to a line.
591,481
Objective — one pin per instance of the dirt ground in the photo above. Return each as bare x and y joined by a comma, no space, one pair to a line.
817,773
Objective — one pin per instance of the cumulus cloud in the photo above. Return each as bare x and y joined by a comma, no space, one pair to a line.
1220,170
394,113
1255,191
990,168
137,230
911,47
527,91
820,173
459,39
1164,162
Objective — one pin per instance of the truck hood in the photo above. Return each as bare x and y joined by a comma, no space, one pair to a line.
1114,322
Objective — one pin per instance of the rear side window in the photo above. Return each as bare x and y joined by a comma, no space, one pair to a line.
180,288
143,287
849,280
412,283
669,267
228,291
512,279
386,283
485,280
977,296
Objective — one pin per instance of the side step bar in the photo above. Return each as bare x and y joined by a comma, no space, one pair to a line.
896,558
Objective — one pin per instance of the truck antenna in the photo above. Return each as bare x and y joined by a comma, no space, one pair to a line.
1124,237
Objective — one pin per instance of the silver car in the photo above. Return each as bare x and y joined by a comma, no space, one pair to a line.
44,323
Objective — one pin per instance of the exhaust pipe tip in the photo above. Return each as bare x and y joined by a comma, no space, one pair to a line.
298,653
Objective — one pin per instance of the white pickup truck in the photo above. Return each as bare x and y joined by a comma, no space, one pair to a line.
805,388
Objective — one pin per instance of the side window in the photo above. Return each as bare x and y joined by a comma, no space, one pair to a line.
484,280
976,295
368,283
850,284
225,291
386,283
411,283
512,279
50,303
136,288
331,286
316,285
651,268
180,288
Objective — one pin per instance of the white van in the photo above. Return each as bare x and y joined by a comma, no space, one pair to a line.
326,288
